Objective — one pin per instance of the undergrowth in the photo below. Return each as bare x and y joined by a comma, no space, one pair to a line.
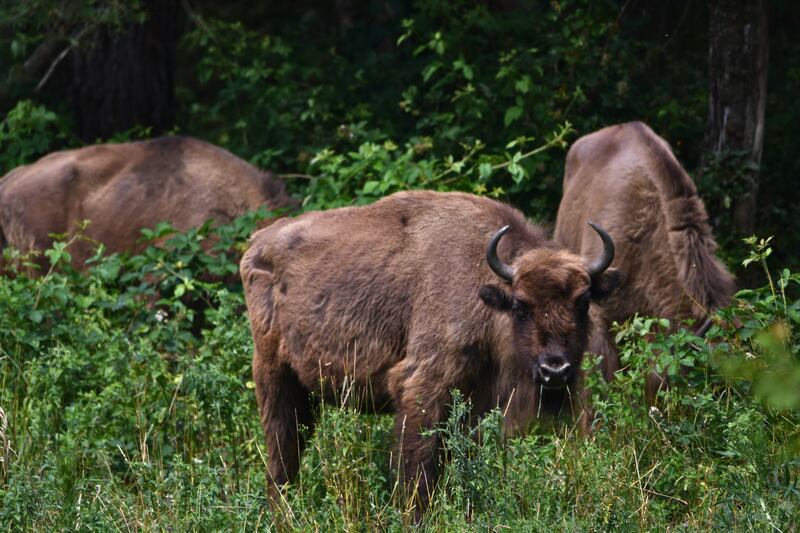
127,404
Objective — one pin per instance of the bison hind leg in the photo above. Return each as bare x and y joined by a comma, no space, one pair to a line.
285,406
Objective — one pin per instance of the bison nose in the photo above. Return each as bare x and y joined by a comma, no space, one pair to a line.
554,370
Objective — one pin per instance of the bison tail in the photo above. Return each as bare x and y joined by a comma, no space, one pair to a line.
706,279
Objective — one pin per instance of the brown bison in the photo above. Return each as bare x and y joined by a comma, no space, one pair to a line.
626,178
409,298
123,188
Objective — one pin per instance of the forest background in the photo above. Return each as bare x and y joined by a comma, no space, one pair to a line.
118,417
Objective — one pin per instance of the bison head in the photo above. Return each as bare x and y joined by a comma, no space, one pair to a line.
548,294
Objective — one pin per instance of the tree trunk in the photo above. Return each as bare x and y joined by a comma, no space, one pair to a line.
737,96
125,76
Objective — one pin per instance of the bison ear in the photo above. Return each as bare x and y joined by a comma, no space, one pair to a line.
605,283
496,298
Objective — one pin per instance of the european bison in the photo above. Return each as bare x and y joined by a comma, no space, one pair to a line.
401,298
122,188
626,178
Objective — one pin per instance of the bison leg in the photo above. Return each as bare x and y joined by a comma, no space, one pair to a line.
284,405
654,383
422,405
599,343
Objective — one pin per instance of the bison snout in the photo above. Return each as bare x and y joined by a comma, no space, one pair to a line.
554,370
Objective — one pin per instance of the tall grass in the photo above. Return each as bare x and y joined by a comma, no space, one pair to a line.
127,406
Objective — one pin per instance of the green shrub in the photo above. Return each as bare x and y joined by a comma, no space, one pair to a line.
28,132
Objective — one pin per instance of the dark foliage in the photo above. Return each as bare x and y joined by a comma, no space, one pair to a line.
278,82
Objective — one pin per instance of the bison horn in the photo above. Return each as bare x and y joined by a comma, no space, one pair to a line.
497,266
604,261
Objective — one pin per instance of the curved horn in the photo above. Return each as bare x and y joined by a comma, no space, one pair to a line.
604,261
497,266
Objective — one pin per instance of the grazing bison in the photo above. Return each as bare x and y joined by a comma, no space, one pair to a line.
626,178
407,299
122,188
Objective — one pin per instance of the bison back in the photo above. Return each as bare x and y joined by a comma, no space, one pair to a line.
626,179
352,291
123,188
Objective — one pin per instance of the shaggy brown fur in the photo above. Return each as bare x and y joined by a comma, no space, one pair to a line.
122,188
626,179
397,299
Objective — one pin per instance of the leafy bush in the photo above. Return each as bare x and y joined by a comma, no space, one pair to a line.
117,410
465,78
375,170
27,132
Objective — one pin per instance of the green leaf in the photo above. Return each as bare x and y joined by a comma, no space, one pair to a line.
370,187
785,275
485,170
180,290
512,114
523,85
517,172
429,71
